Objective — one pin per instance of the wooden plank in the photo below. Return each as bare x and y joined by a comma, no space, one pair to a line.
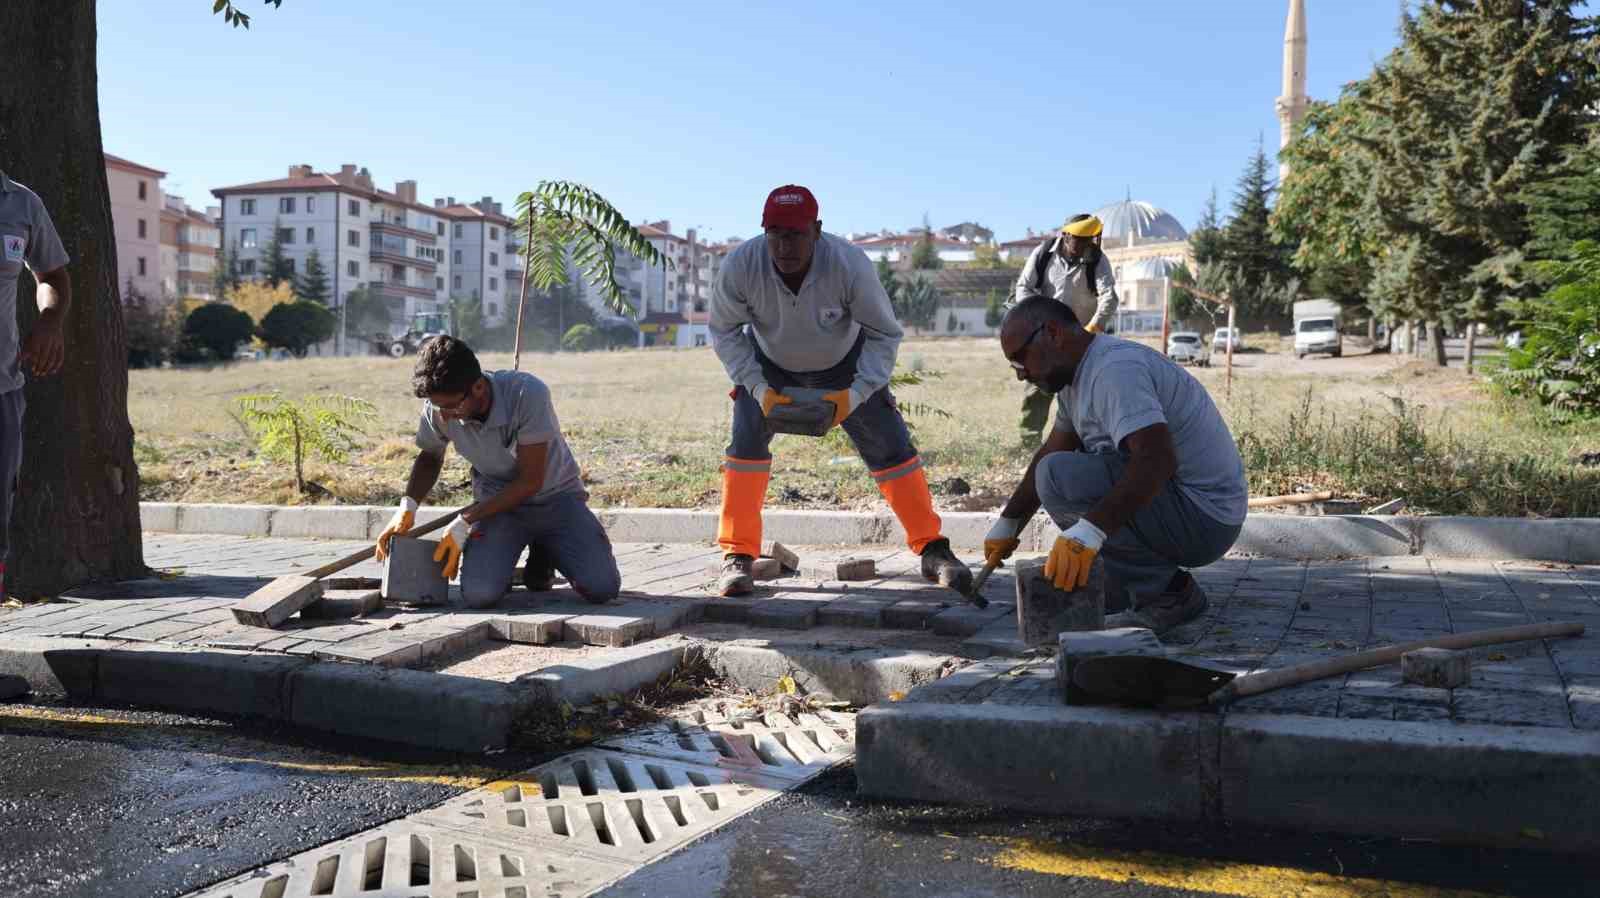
279,600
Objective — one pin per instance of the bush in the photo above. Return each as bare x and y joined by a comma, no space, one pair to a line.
581,338
297,326
286,429
1559,361
152,333
213,332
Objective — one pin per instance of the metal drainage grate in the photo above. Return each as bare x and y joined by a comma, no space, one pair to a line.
607,805
792,747
408,859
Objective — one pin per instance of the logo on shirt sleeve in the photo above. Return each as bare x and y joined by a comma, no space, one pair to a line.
15,246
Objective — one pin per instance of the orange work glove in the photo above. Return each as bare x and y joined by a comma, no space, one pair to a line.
452,545
402,521
1074,551
844,402
768,397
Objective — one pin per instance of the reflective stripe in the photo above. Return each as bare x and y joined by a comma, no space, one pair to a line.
746,465
898,471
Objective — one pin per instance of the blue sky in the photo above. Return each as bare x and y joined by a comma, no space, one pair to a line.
692,111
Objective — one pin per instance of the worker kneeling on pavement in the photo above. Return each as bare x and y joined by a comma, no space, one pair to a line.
798,308
1139,468
527,492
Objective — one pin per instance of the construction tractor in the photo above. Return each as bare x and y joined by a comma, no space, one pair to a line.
423,326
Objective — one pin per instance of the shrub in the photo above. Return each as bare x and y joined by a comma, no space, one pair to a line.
581,338
213,332
296,326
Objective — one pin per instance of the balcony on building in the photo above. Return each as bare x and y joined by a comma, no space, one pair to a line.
391,249
391,222
399,292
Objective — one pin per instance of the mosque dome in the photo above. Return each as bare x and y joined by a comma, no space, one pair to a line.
1147,224
1147,269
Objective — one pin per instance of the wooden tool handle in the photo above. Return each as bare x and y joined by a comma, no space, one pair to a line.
982,578
334,567
1255,684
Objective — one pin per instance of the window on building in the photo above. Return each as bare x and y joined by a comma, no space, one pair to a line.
247,207
311,235
355,207
457,232
699,339
311,204
353,238
286,235
285,204
455,257
143,229
494,233
441,229
438,283
141,266
247,237
494,258
291,265
494,309
248,266
455,282
141,190
353,268
494,283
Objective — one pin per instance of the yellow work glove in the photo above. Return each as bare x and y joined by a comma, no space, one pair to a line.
768,397
844,402
403,519
452,545
1074,551
1093,328
1001,541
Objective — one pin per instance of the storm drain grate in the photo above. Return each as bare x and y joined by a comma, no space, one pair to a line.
409,859
788,746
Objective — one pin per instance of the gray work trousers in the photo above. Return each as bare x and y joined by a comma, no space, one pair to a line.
12,405
1167,535
560,529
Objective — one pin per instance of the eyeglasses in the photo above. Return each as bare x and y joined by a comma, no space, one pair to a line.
458,408
1022,350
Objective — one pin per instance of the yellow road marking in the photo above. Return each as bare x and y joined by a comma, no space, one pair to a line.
459,776
1215,877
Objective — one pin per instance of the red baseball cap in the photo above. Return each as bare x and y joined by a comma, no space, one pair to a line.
790,206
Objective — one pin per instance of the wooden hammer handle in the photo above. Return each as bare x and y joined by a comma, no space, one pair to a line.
1254,684
334,567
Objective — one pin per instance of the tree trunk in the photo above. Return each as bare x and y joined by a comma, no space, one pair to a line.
1472,339
76,517
1436,331
1372,331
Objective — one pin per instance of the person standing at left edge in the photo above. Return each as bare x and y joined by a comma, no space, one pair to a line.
28,238
797,307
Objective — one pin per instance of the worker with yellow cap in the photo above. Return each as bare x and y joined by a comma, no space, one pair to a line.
1071,269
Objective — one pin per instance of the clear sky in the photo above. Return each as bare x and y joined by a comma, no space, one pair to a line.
1009,116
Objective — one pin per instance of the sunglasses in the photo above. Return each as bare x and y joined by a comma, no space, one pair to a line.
1022,351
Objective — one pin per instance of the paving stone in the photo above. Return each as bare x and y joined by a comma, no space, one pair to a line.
782,554
337,604
729,609
157,631
1075,646
529,629
439,641
854,610
1045,612
766,569
913,614
1438,668
411,575
852,569
788,614
967,619
998,638
1509,708
383,649
608,629
276,602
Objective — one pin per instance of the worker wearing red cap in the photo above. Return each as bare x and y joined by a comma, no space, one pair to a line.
797,307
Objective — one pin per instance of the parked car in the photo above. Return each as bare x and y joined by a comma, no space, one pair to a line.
1317,328
1514,340
1188,348
1219,340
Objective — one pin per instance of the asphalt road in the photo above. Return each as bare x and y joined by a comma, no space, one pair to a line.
97,802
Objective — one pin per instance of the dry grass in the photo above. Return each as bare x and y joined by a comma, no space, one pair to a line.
650,427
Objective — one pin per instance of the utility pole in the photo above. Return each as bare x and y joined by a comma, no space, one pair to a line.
1227,382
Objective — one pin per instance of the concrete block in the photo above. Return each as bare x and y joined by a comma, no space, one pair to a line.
12,687
782,554
612,673
342,604
788,614
1289,536
966,620
998,638
529,629
407,706
324,522
913,614
158,517
330,584
729,609
658,525
187,679
1573,540
1076,646
608,629
766,569
382,649
853,674
829,528
411,575
234,520
1056,760
1437,668
853,611
278,601
856,569
1044,612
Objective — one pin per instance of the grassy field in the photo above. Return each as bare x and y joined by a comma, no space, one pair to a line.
649,428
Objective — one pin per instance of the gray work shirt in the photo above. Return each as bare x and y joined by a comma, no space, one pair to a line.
522,415
28,237
1092,298
1121,387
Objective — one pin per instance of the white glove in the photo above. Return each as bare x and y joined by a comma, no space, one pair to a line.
1002,540
403,519
1090,536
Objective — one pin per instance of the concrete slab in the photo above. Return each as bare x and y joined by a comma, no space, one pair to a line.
411,575
1044,612
277,601
406,706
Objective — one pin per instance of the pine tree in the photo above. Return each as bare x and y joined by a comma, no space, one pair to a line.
1565,207
993,311
1205,241
312,285
275,266
225,273
1253,263
925,255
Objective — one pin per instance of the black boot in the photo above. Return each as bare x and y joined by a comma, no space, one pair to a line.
736,579
941,565
540,574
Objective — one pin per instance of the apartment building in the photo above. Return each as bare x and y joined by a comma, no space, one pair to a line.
136,218
671,301
190,240
485,259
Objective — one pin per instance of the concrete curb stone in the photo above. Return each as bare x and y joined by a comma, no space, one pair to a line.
152,675
856,675
336,522
52,665
399,705
584,679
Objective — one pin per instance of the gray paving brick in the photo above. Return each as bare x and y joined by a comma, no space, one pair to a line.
966,619
854,610
788,614
913,613
1510,708
608,629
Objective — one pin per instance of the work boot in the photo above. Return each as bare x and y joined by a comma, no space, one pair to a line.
539,575
1182,602
941,565
736,579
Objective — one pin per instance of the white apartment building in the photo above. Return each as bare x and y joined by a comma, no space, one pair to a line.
189,242
136,219
671,303
484,256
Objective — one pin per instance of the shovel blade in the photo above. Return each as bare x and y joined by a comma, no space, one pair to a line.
1147,681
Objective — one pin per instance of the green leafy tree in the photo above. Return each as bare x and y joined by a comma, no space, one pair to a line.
892,285
215,330
1205,241
951,323
233,15
328,427
153,332
581,338
312,284
994,310
1565,207
925,255
225,275
296,327
466,318
986,256
1559,361
1252,262
563,220
276,268
918,305
366,315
